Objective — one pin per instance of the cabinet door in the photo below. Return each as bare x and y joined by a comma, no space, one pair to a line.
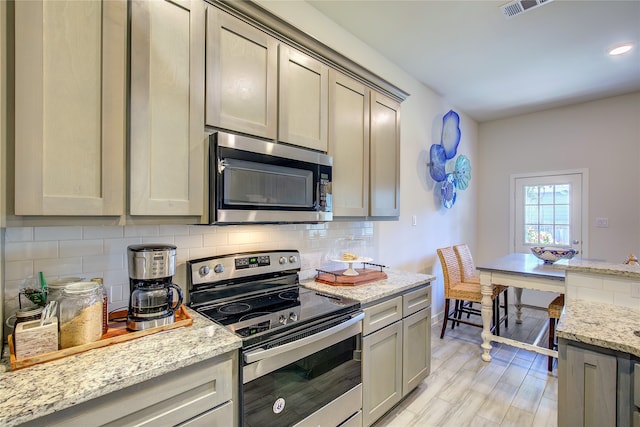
242,76
70,107
589,385
167,108
381,371
349,144
385,156
416,353
303,99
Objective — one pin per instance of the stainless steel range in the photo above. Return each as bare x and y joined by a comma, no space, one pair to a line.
301,349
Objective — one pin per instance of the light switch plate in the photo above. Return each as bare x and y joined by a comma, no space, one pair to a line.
602,222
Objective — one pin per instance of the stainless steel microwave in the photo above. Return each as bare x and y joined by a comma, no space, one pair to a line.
257,181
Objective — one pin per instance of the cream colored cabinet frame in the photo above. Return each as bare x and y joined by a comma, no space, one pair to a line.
167,143
303,99
242,76
70,107
385,156
416,352
349,144
381,371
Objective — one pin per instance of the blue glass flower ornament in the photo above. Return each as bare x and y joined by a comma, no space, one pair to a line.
448,191
436,165
450,133
462,172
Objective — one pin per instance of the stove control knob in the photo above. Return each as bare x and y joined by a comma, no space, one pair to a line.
293,316
204,270
219,268
282,320
282,260
293,259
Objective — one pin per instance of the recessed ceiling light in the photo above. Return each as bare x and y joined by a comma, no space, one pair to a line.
620,49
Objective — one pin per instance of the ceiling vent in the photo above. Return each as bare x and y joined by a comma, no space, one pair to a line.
519,7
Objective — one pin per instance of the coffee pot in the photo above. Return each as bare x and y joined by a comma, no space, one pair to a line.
154,297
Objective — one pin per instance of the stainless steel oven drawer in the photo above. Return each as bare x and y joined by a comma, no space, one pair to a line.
336,412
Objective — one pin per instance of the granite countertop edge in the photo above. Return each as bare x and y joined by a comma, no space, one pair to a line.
603,325
30,393
368,293
599,267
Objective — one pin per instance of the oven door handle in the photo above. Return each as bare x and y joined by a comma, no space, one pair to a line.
261,353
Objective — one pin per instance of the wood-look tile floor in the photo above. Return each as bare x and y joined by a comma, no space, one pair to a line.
514,389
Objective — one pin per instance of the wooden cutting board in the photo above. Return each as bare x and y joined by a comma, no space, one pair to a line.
338,279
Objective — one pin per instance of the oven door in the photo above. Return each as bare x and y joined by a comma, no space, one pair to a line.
315,380
259,181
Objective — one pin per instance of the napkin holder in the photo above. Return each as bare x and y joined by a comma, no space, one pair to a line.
30,339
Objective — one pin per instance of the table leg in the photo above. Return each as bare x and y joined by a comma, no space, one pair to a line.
518,305
487,313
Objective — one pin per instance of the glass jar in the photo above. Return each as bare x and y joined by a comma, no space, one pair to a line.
80,314
105,304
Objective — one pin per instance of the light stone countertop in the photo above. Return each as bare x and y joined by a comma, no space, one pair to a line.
395,283
599,267
29,393
603,325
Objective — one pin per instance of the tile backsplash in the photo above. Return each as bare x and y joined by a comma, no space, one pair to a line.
88,251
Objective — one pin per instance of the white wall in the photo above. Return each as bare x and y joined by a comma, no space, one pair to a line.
602,136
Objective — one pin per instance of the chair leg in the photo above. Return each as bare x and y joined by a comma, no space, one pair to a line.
496,314
506,308
446,317
552,338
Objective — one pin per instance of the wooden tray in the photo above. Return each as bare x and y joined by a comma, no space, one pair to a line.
116,333
364,276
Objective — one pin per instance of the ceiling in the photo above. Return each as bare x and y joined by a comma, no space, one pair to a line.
491,67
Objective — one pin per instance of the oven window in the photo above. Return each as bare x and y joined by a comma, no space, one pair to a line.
259,184
290,394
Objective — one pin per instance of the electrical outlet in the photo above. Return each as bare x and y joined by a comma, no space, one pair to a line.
635,290
602,222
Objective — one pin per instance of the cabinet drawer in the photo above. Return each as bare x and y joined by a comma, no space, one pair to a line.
219,417
381,315
414,301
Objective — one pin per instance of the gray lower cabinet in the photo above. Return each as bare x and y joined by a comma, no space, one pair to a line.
396,350
202,394
595,386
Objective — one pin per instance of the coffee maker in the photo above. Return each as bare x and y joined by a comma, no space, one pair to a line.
152,302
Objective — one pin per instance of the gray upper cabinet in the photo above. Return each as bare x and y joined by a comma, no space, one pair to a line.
167,142
364,140
303,97
242,76
70,107
385,156
349,144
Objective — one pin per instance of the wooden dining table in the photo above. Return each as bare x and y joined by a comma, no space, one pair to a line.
519,271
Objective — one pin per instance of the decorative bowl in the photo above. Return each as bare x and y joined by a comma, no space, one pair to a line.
550,254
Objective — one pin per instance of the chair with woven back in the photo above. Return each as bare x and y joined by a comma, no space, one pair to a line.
470,274
460,291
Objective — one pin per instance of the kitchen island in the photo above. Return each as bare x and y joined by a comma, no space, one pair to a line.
40,390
